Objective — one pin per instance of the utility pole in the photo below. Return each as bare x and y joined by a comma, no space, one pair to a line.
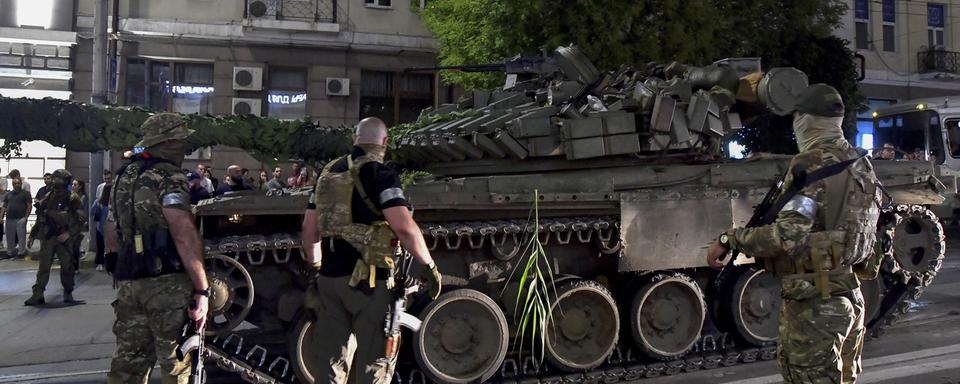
99,94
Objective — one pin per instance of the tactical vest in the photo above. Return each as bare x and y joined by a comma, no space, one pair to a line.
333,199
145,251
55,214
841,246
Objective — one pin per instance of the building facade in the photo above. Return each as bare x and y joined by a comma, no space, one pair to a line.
330,61
910,50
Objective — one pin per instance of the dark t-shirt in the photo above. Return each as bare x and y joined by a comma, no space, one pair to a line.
225,188
197,194
16,203
339,257
42,192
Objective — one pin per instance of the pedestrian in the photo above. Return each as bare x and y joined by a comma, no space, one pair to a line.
887,152
159,267
208,175
299,178
262,181
195,186
98,213
79,188
233,181
107,180
206,182
277,181
350,297
17,205
15,174
58,224
821,242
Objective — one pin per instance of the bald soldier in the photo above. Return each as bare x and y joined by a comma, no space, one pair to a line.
355,212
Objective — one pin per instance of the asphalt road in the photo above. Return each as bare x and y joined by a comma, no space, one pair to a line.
73,344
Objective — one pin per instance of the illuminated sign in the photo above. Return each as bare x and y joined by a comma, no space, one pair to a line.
286,99
191,90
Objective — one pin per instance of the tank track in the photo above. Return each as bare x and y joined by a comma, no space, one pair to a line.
713,350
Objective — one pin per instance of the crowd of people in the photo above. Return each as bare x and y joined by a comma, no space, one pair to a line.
17,202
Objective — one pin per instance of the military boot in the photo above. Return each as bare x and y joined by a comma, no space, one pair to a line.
68,297
34,300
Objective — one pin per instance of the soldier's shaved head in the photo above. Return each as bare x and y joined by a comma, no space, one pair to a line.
370,131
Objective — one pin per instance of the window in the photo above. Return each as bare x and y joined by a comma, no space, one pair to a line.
287,93
172,87
935,23
395,98
865,132
889,25
377,3
953,136
861,16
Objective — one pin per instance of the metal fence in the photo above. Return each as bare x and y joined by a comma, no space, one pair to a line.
938,61
324,11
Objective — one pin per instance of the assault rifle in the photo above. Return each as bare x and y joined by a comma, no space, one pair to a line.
192,340
397,315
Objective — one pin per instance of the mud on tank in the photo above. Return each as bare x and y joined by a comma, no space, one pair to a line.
624,168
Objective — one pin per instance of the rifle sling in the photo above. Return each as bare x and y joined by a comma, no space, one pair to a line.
801,180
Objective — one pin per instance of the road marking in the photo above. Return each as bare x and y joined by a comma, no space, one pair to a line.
892,372
46,376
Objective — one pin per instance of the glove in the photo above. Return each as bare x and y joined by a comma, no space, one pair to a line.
437,279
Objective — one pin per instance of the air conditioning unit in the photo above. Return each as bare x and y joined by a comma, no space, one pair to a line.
247,78
246,106
338,86
260,8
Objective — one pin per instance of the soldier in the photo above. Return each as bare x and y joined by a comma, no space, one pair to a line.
821,241
58,224
357,209
157,242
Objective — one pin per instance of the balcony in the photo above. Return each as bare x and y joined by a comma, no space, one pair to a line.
938,61
316,11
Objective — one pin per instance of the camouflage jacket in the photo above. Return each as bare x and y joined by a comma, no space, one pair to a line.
58,212
838,224
137,197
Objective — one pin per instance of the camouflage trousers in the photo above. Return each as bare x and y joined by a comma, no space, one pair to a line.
150,315
48,249
821,340
351,323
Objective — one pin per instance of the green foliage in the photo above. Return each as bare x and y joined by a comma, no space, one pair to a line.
409,177
537,291
611,33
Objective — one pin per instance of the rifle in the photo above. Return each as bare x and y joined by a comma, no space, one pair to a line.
397,316
192,340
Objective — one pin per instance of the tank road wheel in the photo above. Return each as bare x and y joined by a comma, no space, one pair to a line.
667,316
586,329
755,307
231,293
303,355
918,243
463,338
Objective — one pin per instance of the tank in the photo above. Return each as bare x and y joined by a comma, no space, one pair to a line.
618,180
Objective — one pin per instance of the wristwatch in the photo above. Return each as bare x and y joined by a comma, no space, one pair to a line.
202,292
724,240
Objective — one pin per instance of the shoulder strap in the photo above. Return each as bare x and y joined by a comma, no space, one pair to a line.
803,179
355,173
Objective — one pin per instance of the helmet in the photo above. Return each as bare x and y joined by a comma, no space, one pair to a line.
163,127
61,178
821,100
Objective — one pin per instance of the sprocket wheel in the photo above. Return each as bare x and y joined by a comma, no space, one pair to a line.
917,243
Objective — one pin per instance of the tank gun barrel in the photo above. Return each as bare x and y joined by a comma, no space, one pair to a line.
516,65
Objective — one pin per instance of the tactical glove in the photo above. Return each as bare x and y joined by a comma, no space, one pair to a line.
437,279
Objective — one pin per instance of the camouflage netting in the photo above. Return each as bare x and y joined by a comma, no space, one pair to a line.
88,128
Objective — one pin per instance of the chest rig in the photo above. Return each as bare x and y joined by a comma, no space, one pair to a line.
840,247
333,198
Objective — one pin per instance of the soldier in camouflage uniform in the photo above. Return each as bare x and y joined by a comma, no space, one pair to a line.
159,265
357,209
821,242
58,224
